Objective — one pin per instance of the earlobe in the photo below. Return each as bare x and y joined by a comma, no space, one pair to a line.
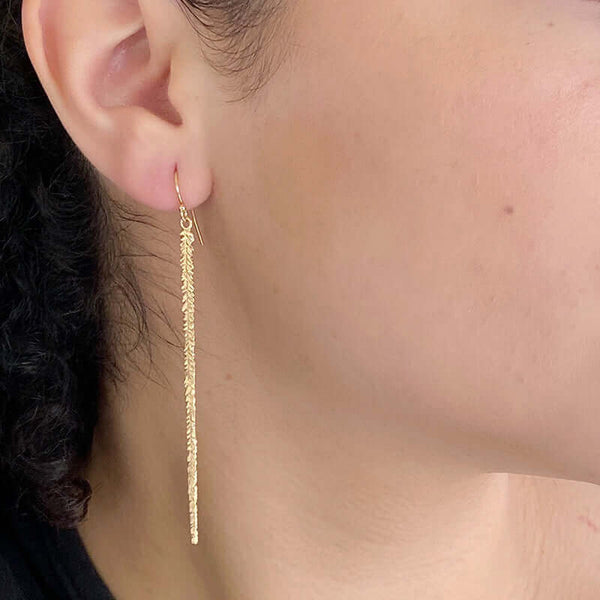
106,68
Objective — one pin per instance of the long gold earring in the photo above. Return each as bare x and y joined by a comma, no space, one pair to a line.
187,289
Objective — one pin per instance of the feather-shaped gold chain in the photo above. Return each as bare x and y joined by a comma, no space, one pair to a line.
187,289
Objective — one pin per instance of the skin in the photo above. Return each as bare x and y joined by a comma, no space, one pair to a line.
398,300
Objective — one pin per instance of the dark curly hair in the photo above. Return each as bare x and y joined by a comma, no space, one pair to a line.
61,259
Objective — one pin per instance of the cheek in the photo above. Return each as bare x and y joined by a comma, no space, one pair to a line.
489,304
431,225
298,166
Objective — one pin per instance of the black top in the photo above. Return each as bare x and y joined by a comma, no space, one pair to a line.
41,562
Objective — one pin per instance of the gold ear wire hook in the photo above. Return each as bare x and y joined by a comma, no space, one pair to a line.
181,203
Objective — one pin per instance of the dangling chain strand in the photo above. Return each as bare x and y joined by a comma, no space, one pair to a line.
187,288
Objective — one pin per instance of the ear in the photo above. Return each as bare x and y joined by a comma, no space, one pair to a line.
115,74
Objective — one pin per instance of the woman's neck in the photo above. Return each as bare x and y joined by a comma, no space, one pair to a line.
294,502
303,493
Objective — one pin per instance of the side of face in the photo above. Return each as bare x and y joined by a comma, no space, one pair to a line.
410,208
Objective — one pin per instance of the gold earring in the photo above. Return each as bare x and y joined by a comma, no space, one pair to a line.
187,289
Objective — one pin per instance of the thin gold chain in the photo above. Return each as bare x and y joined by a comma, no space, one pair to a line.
187,289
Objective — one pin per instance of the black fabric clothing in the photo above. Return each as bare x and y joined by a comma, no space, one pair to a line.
41,562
